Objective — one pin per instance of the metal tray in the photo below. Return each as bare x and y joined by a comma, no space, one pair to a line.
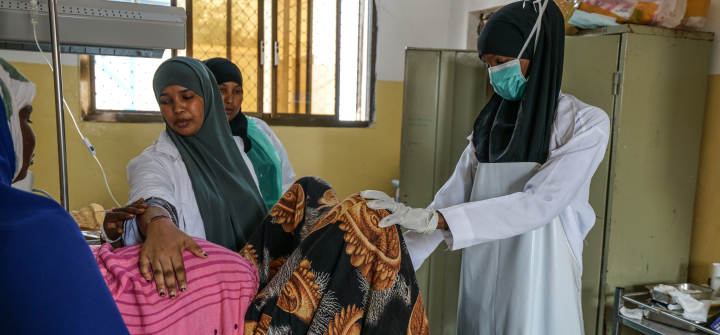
705,292
655,315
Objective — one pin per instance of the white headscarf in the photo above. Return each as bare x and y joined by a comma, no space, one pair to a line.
16,92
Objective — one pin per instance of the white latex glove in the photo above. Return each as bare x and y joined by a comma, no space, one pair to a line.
423,221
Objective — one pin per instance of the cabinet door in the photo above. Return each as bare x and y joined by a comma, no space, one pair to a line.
444,92
659,118
590,66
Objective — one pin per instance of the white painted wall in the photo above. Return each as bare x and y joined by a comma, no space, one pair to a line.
409,23
423,23
447,24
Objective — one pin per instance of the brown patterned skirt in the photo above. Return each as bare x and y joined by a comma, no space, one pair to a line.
326,268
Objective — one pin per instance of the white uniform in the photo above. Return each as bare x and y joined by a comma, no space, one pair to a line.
160,172
288,175
561,188
527,284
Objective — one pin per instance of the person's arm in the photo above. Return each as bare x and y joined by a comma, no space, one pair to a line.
114,222
546,195
164,241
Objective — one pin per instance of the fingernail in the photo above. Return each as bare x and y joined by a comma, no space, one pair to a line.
205,254
182,288
162,292
148,280
172,295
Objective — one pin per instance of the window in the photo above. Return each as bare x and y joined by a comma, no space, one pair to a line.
304,62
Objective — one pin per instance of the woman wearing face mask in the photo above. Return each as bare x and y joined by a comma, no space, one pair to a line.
50,283
269,159
517,203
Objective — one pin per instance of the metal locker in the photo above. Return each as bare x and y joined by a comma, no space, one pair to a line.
443,94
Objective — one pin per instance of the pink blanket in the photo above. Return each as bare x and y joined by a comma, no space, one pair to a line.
220,289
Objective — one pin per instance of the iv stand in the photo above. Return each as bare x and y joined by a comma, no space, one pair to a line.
60,116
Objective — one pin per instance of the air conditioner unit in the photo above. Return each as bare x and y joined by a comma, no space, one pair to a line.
95,27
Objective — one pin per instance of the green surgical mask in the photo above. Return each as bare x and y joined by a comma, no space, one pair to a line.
507,79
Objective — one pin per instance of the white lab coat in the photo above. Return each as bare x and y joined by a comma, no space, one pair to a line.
160,172
288,175
561,188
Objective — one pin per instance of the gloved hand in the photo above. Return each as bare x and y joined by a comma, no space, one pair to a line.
423,221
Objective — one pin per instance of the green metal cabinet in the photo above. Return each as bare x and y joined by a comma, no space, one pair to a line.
440,104
652,82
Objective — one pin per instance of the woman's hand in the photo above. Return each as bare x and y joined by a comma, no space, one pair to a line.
114,221
420,220
162,251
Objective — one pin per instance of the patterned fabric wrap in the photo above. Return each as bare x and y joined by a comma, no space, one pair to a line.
325,268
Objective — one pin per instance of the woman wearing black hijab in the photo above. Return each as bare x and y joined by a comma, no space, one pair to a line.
517,202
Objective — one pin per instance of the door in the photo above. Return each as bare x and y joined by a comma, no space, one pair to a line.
444,91
590,66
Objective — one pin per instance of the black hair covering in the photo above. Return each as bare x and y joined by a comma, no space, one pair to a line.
225,71
519,131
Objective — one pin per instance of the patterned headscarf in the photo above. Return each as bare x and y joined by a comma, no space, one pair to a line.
16,92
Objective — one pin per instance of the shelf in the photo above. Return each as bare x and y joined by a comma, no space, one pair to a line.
653,328
646,326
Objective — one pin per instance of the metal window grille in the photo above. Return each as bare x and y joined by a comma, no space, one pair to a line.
304,62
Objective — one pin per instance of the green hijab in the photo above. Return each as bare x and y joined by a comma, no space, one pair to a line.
229,201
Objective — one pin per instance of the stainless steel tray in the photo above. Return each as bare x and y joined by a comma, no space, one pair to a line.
705,292
655,315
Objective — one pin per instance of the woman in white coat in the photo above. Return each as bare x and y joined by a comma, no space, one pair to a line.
517,203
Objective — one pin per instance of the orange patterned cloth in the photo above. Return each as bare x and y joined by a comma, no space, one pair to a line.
326,268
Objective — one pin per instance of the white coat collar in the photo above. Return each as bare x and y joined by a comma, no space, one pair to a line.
165,145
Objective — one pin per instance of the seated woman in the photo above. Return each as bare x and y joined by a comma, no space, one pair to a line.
324,266
50,283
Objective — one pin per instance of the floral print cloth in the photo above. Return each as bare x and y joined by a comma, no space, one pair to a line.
326,268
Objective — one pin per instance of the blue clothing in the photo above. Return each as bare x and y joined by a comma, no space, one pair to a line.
50,282
7,151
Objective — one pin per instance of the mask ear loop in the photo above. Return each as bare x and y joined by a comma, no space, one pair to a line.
536,27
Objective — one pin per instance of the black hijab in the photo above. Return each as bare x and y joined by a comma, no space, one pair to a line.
519,131
225,71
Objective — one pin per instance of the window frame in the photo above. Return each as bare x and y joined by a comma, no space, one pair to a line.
87,100
87,79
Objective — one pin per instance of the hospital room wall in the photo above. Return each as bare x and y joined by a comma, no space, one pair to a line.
351,159
116,143
355,159
704,246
